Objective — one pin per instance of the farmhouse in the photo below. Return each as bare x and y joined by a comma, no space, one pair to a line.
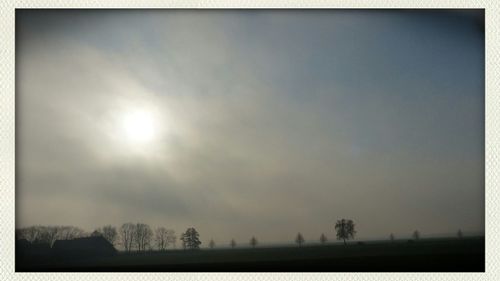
87,247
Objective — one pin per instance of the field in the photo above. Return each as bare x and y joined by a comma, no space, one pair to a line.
426,255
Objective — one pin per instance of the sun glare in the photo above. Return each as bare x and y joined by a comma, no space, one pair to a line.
139,126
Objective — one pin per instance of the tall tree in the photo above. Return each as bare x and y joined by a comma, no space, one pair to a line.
211,244
109,233
171,238
392,238
190,239
143,236
69,232
416,235
253,241
127,234
345,230
161,238
460,235
29,233
322,238
299,239
47,234
164,238
232,243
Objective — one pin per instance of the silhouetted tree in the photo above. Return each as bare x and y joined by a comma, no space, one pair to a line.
69,232
253,242
171,237
345,230
416,235
29,233
109,233
190,239
127,234
233,243
48,234
460,235
161,238
299,239
391,237
143,236
211,244
323,238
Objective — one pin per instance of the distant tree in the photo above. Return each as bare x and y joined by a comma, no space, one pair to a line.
299,239
233,243
391,237
416,235
96,233
190,239
171,238
161,238
143,236
345,230
211,244
48,234
253,242
127,234
109,233
323,238
164,238
460,235
69,232
29,233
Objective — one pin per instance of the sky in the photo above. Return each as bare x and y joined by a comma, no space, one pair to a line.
246,123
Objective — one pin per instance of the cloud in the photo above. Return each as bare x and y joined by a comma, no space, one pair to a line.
261,131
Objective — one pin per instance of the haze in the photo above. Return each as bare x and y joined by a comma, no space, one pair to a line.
261,122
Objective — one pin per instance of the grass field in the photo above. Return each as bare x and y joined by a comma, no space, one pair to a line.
428,255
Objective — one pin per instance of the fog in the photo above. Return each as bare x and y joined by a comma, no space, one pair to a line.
267,122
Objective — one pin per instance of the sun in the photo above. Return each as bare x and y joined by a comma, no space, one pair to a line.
139,126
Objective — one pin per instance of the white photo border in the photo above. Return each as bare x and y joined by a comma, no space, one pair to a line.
7,135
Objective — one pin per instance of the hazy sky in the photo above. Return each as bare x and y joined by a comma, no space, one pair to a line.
258,122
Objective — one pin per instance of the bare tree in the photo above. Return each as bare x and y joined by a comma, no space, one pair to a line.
47,234
253,242
392,238
232,243
30,233
143,236
345,230
460,235
164,238
190,239
416,235
211,244
69,232
161,238
322,238
127,234
299,239
109,233
171,238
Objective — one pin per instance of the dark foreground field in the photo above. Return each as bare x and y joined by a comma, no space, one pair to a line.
431,255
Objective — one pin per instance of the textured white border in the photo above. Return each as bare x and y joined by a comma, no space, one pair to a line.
7,133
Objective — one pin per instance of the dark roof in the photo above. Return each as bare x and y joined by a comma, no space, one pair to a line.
86,243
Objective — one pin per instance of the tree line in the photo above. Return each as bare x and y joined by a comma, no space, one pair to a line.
141,237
